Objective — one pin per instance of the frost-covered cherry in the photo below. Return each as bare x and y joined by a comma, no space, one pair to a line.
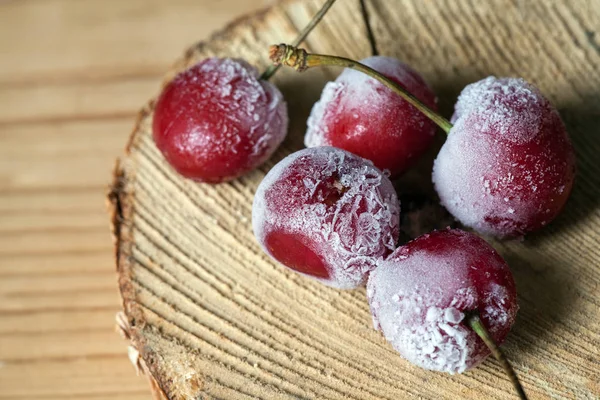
421,298
507,167
359,114
327,214
217,120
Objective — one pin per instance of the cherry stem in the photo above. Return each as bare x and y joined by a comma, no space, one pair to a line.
477,325
300,60
272,69
368,28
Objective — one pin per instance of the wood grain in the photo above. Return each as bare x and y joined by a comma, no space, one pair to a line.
73,75
213,317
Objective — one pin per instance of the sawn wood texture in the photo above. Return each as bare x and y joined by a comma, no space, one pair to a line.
208,315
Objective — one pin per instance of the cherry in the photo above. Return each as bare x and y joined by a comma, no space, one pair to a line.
216,120
359,114
328,214
507,167
425,294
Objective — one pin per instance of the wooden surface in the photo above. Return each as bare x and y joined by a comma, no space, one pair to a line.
73,75
212,316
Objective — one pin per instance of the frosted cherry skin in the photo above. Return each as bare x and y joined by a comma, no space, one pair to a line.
327,214
419,297
359,114
507,167
216,120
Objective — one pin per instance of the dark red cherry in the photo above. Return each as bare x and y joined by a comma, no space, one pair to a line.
359,114
421,297
327,214
216,120
508,166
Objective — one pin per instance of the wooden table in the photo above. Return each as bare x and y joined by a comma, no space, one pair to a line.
73,75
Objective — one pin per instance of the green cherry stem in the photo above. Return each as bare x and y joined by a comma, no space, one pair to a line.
300,60
476,324
272,69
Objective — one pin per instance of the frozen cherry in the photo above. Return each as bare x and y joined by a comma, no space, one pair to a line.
507,167
423,294
359,114
217,120
327,214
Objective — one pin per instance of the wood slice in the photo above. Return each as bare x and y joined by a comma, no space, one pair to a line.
210,316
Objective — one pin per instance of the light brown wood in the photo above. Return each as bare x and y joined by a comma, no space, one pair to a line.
73,75
212,316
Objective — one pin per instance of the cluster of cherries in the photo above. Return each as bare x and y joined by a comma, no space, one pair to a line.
330,213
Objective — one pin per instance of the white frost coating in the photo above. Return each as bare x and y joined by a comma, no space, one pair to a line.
418,327
417,299
316,133
348,234
509,106
484,174
255,112
363,97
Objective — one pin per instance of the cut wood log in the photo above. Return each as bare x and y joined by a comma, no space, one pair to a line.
208,315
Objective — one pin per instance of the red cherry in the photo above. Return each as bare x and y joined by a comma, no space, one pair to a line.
359,114
507,167
216,120
327,214
422,294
